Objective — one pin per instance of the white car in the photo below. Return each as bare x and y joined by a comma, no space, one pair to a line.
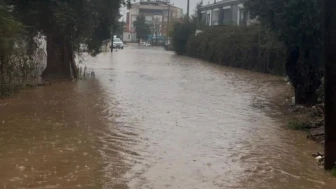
145,44
118,44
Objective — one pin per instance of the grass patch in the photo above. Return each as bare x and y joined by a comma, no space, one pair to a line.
333,171
296,125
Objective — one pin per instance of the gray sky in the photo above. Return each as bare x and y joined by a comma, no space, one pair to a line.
183,4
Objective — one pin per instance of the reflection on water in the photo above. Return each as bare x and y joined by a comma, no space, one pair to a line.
152,119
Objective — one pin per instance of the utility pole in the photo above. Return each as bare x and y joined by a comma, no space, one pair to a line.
112,30
330,83
188,6
168,20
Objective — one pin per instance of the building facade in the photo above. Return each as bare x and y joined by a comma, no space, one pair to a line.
224,12
156,13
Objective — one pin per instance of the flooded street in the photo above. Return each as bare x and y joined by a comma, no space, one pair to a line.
155,120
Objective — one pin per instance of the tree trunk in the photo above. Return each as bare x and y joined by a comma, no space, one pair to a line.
112,43
304,76
60,60
305,96
73,66
2,72
330,83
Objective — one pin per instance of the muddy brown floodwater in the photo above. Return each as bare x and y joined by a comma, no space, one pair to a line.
154,120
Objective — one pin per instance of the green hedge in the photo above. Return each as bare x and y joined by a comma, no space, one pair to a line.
251,48
181,34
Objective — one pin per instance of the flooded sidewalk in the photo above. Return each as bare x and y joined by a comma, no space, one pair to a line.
154,120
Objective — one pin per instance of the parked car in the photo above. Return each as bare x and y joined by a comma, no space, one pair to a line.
145,44
118,44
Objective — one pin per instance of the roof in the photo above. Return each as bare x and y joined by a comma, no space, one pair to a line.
153,6
222,3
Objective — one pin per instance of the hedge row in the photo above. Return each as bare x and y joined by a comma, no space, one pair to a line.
250,47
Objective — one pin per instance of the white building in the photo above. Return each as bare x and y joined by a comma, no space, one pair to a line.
156,15
224,12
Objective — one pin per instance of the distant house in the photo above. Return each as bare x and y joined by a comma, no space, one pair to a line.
157,13
224,12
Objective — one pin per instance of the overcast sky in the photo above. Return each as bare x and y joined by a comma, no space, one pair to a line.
183,4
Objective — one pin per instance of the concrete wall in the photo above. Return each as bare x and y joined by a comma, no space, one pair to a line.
129,37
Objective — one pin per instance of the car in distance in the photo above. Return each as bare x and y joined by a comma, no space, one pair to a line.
118,44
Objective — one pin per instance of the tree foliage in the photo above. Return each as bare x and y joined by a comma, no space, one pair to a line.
295,22
119,28
180,35
142,29
10,30
251,48
67,24
298,24
197,16
78,21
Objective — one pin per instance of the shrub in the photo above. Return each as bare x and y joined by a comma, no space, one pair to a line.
180,35
251,48
296,125
333,171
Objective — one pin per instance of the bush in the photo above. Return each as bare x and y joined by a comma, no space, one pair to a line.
296,125
333,171
251,48
20,60
181,34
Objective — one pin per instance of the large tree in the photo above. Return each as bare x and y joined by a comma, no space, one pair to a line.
196,18
10,30
119,28
142,29
67,24
180,35
297,23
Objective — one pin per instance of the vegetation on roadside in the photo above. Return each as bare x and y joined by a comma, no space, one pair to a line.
252,48
181,34
64,27
287,40
15,63
118,29
67,25
142,29
298,24
297,125
333,171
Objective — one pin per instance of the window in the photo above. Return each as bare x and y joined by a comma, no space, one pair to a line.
215,17
116,40
241,17
227,15
149,18
203,17
208,20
